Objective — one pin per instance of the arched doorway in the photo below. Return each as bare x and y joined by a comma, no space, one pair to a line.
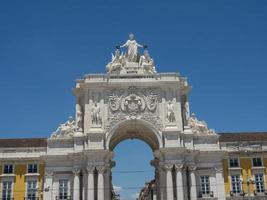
138,134
133,169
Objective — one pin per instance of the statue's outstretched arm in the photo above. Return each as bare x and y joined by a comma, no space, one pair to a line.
124,45
139,45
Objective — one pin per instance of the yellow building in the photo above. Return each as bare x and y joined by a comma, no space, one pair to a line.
245,164
22,166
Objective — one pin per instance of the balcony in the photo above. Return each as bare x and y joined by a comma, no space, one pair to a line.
7,198
245,196
63,198
31,198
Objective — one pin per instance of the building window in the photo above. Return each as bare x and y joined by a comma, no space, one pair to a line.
32,168
31,190
233,162
205,185
257,162
259,183
236,184
8,169
7,190
63,189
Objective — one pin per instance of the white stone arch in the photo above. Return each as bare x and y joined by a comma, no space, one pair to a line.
134,128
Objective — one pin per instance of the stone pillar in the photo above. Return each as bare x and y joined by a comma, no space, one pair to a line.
193,184
90,183
179,181
84,188
107,184
219,183
185,188
161,183
100,183
169,182
48,185
76,184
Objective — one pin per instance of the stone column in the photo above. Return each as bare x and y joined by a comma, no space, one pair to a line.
84,187
185,188
100,183
162,182
48,185
76,183
90,183
220,183
169,182
193,184
107,184
179,181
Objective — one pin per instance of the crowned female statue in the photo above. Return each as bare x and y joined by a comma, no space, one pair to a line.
132,49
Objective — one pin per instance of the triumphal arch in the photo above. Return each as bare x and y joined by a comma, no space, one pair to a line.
132,100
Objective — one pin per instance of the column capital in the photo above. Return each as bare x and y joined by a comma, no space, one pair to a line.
76,171
90,168
168,167
49,173
179,166
218,169
101,169
192,167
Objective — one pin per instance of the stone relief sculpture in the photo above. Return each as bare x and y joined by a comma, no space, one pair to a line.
147,63
132,49
65,130
170,112
96,115
117,62
199,127
133,103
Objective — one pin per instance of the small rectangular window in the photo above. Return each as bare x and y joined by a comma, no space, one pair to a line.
7,190
31,190
236,184
63,189
8,169
257,162
32,168
233,162
259,183
205,184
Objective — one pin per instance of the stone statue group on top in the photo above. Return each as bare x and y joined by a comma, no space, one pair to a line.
131,58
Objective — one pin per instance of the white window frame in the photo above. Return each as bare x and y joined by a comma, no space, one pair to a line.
263,181
37,185
68,184
68,177
241,185
32,164
262,164
206,193
238,160
3,168
7,179
31,178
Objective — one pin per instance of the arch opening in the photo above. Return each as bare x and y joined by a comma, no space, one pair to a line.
134,129
147,136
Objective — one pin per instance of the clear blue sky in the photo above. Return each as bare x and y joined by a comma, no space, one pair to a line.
221,46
